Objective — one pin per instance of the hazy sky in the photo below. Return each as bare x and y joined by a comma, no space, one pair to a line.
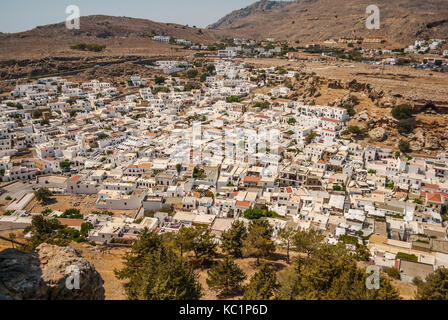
22,15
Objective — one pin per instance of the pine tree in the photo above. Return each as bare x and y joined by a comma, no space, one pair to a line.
307,242
259,240
286,236
225,277
331,273
205,247
435,287
44,231
155,272
186,239
262,285
232,239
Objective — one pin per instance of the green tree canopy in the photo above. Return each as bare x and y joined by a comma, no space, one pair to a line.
155,272
262,286
404,146
72,214
210,68
232,239
225,277
435,287
184,240
258,213
65,164
307,242
205,246
43,195
259,240
192,73
331,273
286,237
402,111
43,231
159,80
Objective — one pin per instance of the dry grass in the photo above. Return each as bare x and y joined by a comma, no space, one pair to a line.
3,205
105,263
86,204
407,290
6,244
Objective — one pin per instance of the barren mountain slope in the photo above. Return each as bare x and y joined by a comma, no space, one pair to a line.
121,35
402,21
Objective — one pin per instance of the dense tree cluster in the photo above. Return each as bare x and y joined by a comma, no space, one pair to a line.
155,272
330,273
162,267
435,286
44,230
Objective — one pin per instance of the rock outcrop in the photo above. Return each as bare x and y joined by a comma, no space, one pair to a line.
50,273
378,134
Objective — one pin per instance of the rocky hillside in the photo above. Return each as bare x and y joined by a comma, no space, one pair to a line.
402,21
41,275
106,27
256,8
372,113
121,35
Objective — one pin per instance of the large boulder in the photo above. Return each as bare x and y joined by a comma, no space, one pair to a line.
363,116
335,84
356,86
432,143
375,94
50,273
417,139
387,102
378,134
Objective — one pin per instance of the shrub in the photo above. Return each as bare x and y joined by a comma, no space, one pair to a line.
72,214
354,130
407,257
393,273
402,111
89,47
405,126
258,213
193,73
159,80
404,146
232,99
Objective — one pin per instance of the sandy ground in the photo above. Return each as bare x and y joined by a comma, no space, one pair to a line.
5,244
407,290
105,263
